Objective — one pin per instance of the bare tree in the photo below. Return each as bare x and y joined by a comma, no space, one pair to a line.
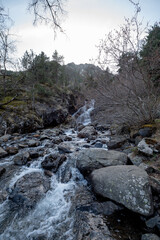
128,91
7,48
48,11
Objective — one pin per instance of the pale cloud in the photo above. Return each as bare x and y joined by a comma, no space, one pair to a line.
86,23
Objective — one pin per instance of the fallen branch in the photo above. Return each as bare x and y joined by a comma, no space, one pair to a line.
3,104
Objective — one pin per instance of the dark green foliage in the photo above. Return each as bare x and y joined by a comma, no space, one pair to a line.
150,54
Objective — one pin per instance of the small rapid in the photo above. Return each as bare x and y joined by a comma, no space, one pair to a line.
52,217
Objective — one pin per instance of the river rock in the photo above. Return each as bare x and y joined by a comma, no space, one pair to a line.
127,185
66,147
53,161
91,227
29,189
3,196
155,184
149,236
136,160
21,158
33,143
5,138
2,171
94,158
89,222
143,147
117,142
34,154
3,153
87,132
12,150
153,222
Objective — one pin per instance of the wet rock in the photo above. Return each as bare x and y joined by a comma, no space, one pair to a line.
149,236
66,147
12,150
5,138
66,138
98,145
57,140
127,185
48,173
89,223
87,132
2,171
94,158
29,189
44,136
153,222
21,158
23,145
53,161
34,154
86,146
33,143
3,153
3,196
91,227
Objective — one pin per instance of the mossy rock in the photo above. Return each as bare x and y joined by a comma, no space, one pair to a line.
148,126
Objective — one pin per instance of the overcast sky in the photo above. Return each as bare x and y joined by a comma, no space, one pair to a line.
87,22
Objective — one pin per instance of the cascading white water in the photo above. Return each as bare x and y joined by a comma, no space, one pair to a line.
82,116
51,218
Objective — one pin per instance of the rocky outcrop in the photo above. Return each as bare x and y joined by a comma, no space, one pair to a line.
127,185
94,158
54,117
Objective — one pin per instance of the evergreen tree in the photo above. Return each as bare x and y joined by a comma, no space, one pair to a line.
150,54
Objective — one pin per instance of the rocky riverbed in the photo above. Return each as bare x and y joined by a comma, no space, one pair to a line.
88,183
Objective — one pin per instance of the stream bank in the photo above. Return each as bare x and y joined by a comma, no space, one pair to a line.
87,183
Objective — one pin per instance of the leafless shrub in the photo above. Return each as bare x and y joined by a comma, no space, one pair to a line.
127,93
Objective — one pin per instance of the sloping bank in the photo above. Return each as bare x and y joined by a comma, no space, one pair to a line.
19,116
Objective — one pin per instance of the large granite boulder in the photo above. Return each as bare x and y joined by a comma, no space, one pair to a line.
127,185
94,158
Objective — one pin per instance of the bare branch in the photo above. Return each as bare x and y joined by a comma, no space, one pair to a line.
48,11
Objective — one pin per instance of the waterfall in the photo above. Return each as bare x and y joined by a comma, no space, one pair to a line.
82,116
